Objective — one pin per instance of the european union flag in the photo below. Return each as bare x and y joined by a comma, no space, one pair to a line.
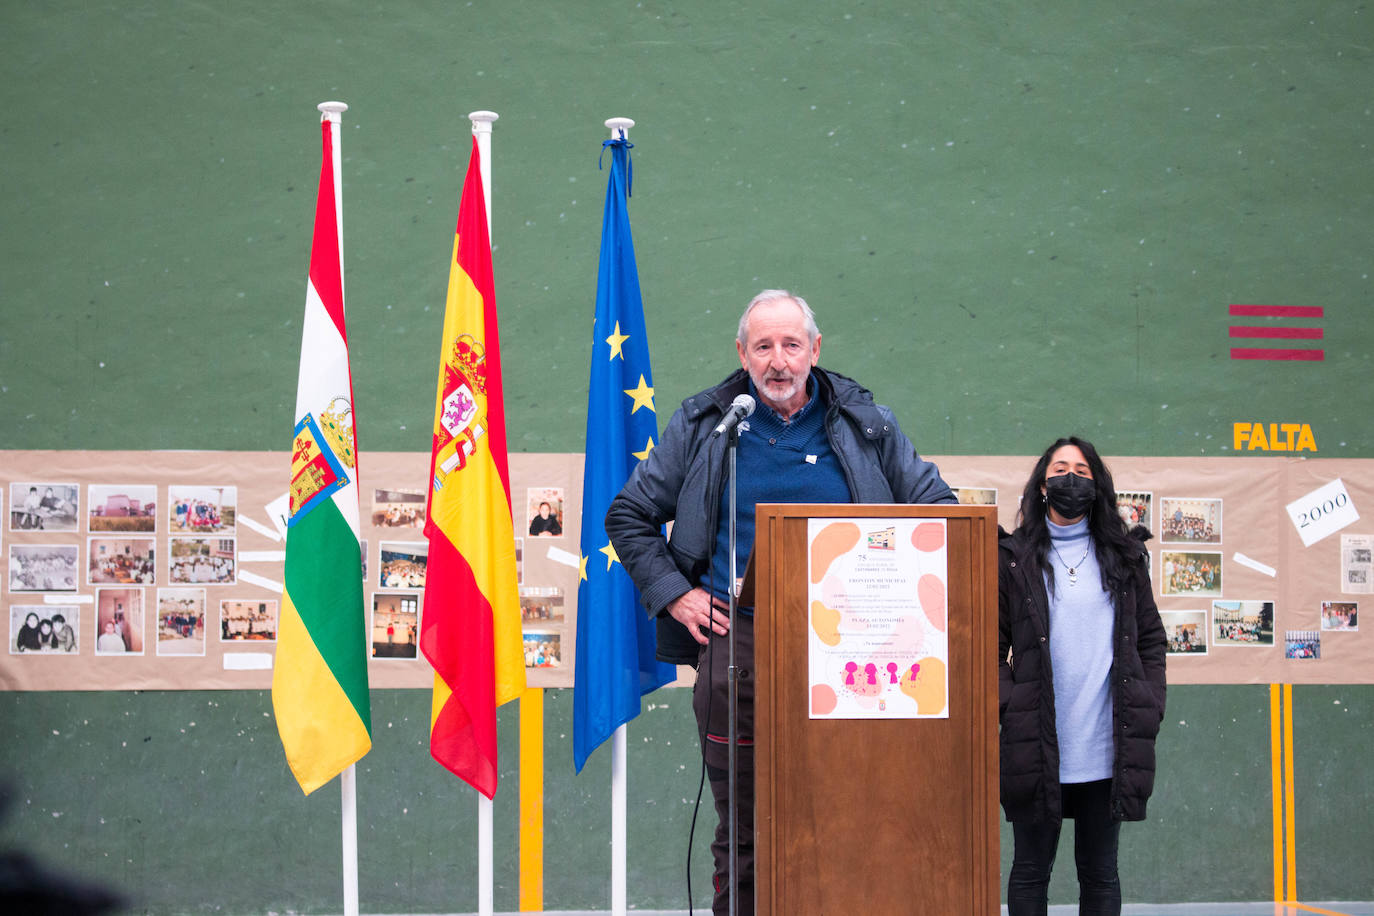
615,638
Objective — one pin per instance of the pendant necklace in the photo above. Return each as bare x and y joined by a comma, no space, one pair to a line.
1073,570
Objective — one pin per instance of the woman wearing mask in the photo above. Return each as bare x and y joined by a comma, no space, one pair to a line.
1081,675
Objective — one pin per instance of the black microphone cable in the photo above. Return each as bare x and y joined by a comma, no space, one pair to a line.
701,781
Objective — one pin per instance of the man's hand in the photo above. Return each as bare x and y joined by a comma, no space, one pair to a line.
695,611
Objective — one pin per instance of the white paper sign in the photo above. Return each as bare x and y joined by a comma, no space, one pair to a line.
279,510
564,557
248,661
1322,512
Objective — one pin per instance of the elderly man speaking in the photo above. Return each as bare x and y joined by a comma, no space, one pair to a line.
817,437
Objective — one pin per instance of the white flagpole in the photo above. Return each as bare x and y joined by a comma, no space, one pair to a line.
348,783
481,129
618,845
620,129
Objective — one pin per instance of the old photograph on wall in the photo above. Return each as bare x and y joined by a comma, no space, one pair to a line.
119,621
1134,508
44,629
44,506
1305,644
201,510
1189,521
121,508
1190,573
247,620
1243,623
395,624
202,561
1357,564
1185,632
403,564
121,561
181,621
398,507
1340,615
43,568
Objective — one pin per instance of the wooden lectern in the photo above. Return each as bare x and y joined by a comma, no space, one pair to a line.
875,815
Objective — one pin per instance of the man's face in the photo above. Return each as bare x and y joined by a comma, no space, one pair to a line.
778,355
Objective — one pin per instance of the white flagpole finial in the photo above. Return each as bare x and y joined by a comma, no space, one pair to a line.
481,120
620,127
332,110
481,130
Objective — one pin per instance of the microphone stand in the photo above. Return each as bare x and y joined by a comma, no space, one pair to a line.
732,680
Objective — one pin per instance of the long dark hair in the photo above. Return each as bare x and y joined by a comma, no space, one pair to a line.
1118,550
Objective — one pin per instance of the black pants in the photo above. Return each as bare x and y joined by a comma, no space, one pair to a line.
710,701
1095,836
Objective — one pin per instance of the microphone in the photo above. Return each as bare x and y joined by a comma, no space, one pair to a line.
741,408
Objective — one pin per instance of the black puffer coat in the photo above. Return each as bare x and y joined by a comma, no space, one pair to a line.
1030,744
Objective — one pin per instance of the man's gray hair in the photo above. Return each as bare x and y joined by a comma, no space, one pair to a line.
773,295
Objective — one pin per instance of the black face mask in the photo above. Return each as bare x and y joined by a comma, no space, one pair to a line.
1070,495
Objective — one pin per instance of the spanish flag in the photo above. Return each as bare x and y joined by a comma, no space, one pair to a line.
470,626
319,680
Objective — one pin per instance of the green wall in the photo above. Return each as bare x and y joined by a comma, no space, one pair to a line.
1014,220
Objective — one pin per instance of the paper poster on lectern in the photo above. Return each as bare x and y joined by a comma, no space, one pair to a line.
876,606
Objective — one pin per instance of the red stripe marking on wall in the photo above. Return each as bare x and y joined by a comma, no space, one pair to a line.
1260,353
1279,311
1290,333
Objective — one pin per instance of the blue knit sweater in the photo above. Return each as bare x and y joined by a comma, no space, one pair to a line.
779,461
1082,626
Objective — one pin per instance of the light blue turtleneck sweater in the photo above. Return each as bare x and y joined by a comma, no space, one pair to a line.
1082,626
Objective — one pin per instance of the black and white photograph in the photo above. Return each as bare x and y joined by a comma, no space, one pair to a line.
1357,564
47,629
130,508
44,506
121,561
43,568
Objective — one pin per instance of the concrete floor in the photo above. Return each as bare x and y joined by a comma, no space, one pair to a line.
1133,909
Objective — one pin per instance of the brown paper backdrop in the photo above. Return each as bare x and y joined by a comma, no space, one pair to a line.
1254,492
260,478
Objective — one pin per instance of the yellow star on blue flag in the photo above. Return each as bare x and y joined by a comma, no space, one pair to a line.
642,394
616,341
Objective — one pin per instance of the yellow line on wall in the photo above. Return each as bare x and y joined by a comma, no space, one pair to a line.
532,800
1290,833
1276,784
